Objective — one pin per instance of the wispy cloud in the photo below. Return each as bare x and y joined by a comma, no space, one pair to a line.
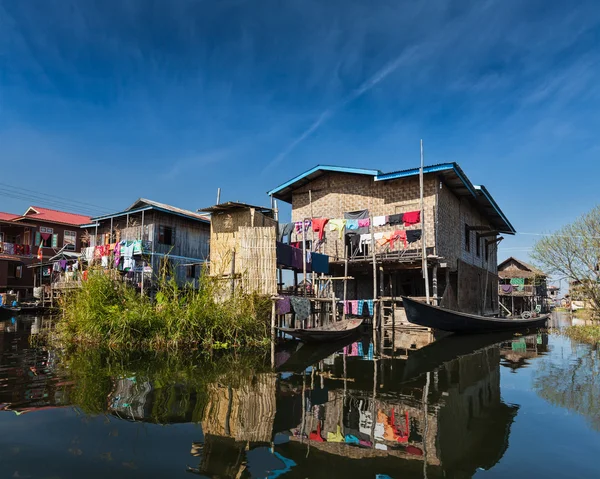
370,83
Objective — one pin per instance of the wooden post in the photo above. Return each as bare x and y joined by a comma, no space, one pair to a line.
142,240
423,230
232,274
273,315
374,274
345,284
312,234
304,256
333,308
434,280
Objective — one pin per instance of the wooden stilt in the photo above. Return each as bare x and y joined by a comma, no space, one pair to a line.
374,274
273,316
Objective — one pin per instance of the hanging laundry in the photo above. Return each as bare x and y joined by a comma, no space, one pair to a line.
412,218
320,263
318,226
365,239
353,240
297,261
365,223
506,288
285,230
380,220
350,439
351,224
517,281
117,254
104,261
358,215
63,264
56,267
413,235
354,307
382,238
398,235
283,305
301,307
337,225
396,219
298,226
335,436
369,303
316,435
359,307
137,247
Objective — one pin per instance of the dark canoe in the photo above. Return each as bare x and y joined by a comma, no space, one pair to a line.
9,311
329,333
452,321
298,356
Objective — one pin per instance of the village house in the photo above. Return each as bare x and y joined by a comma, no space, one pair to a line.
23,236
170,239
460,228
522,287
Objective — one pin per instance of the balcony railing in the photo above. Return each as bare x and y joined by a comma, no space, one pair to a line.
517,290
15,249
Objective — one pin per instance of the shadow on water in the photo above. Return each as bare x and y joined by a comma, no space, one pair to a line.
419,408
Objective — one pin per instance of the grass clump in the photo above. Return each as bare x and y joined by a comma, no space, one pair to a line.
111,313
586,334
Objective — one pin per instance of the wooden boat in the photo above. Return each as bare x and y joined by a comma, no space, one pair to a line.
328,333
304,355
9,311
452,321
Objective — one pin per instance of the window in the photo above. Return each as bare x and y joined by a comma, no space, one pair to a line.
166,235
70,239
191,271
19,271
15,270
467,238
46,238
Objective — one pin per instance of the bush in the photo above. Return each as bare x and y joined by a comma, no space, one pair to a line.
109,312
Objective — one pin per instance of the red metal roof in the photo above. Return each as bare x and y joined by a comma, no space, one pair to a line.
55,216
7,216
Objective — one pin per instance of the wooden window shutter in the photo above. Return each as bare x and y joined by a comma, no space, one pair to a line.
55,241
38,238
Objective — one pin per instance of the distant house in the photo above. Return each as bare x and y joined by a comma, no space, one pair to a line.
522,286
22,236
172,239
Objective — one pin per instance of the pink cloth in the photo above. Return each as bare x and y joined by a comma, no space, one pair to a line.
354,307
365,223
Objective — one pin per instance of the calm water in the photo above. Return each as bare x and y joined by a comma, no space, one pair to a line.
490,406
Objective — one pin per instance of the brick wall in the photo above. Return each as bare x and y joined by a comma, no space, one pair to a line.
333,194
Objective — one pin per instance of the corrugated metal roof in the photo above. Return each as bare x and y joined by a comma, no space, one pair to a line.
454,177
284,191
53,216
7,216
143,204
233,205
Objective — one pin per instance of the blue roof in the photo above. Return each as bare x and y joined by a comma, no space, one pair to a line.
451,173
286,188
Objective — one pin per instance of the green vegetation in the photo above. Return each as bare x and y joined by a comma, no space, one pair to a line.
110,313
586,334
180,382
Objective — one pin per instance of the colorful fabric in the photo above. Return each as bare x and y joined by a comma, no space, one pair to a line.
354,307
337,225
398,235
380,220
298,226
318,226
117,254
283,253
137,247
517,281
297,259
320,263
506,288
351,224
382,238
365,239
364,223
335,436
283,305
412,218
413,235
369,303
301,307
316,435
350,439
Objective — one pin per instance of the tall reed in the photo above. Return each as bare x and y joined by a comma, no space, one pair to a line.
109,312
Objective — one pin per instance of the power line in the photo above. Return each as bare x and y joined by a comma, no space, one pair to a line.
50,203
61,199
560,236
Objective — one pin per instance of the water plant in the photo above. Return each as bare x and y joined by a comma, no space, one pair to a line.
109,312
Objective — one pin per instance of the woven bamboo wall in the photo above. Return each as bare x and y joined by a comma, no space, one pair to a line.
258,260
252,412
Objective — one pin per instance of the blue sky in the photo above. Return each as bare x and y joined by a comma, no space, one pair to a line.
107,101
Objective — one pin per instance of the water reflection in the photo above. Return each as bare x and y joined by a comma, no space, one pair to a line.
402,406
